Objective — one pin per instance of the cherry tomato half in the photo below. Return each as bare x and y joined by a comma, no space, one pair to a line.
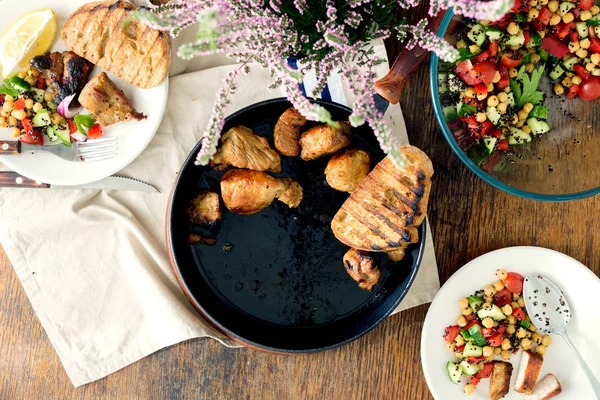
511,60
514,282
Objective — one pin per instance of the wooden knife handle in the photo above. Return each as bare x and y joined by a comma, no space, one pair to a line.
8,148
390,86
12,179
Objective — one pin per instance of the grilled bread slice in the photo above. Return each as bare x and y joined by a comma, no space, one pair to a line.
104,33
383,213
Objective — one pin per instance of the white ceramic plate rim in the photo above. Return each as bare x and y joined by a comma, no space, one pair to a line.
434,355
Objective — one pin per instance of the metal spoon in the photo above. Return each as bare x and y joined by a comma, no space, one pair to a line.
550,313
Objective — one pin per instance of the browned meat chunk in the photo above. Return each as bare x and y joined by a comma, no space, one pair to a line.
205,209
247,192
529,369
500,379
287,132
346,171
241,148
546,389
323,140
65,73
362,267
106,102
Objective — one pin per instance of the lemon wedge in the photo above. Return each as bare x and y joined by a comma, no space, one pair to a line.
30,36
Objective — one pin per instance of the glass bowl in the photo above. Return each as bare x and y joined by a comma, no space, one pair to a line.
562,165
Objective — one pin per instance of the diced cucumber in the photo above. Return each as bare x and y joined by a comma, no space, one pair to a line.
525,324
565,7
517,136
62,131
472,350
475,301
466,335
493,114
489,142
52,105
582,29
510,100
19,84
492,311
38,94
556,73
41,118
515,40
477,153
51,135
454,371
543,54
537,126
477,35
539,112
443,82
468,368
449,113
570,62
477,335
493,33
597,30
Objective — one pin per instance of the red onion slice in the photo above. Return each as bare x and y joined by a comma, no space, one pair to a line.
63,107
80,137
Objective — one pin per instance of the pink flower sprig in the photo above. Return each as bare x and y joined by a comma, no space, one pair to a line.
428,40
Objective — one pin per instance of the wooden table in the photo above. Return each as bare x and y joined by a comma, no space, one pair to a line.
468,218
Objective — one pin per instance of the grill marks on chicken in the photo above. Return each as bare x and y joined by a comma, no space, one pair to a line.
363,268
323,140
65,73
107,103
248,192
287,132
346,171
241,148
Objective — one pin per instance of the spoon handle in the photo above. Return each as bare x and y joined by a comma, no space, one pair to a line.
591,377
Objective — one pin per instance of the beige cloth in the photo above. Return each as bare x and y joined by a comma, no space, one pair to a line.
94,263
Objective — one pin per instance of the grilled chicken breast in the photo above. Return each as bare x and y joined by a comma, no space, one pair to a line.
241,148
529,370
205,209
383,213
362,267
346,171
106,102
248,192
545,389
65,73
286,134
104,33
323,140
500,380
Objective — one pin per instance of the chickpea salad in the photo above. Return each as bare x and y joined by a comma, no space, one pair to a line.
493,324
27,108
494,85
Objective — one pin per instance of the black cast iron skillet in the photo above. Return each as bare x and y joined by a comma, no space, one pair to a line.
275,280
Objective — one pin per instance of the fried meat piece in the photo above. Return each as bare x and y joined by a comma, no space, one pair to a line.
346,171
362,267
500,380
205,209
287,132
194,238
323,140
545,389
529,369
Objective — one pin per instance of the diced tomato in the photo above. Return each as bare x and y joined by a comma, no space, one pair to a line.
72,125
451,332
503,145
486,127
520,5
573,90
501,328
544,16
19,104
563,30
40,82
486,371
481,89
470,324
487,332
465,71
32,136
475,360
95,132
475,380
554,46
503,298
495,133
590,88
585,4
581,71
459,348
486,70
471,317
519,314
514,282
592,31
484,55
576,12
471,121
574,36
594,45
527,36
472,101
511,60
537,25
496,340
493,48
26,123
2,97
503,22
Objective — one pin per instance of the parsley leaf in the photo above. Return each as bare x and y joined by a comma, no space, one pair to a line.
465,54
466,109
528,93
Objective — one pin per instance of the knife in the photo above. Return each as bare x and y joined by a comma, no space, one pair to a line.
14,180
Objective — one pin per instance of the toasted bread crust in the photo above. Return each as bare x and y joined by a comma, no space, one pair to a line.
103,33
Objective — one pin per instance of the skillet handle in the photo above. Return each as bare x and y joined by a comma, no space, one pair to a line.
390,86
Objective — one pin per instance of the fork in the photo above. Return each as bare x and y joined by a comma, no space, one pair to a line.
90,151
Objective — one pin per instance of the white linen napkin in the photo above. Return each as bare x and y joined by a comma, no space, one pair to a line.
94,264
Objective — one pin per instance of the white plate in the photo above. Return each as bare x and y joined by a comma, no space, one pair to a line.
580,286
134,136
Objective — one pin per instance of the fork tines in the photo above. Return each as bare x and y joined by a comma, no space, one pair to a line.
97,149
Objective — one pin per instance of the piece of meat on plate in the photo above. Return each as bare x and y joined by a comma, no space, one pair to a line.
287,132
65,73
194,238
500,379
247,192
529,370
323,140
545,389
362,267
106,102
344,172
241,148
205,209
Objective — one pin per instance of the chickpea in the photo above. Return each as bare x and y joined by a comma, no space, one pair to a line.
22,75
511,319
535,58
532,328
595,10
553,6
533,13
474,48
3,113
48,96
521,123
30,80
514,305
498,285
29,104
567,82
489,358
512,28
501,274
521,302
450,346
590,66
521,333
526,343
9,98
37,107
488,351
497,350
493,101
470,92
506,344
529,67
555,20
527,108
463,302
510,329
486,304
525,129
15,132
57,119
18,114
484,22
461,321
459,340
461,44
585,15
8,106
469,388
481,116
497,77
541,350
582,53
12,121
458,355
3,122
502,107
489,290
467,311
546,340
558,89
574,47
536,338
568,17
515,119
507,309
506,354
533,3
585,43
488,322
523,115
503,97
490,87
513,72
543,2
481,96
576,80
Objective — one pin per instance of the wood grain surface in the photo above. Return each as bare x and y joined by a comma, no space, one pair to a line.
468,218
